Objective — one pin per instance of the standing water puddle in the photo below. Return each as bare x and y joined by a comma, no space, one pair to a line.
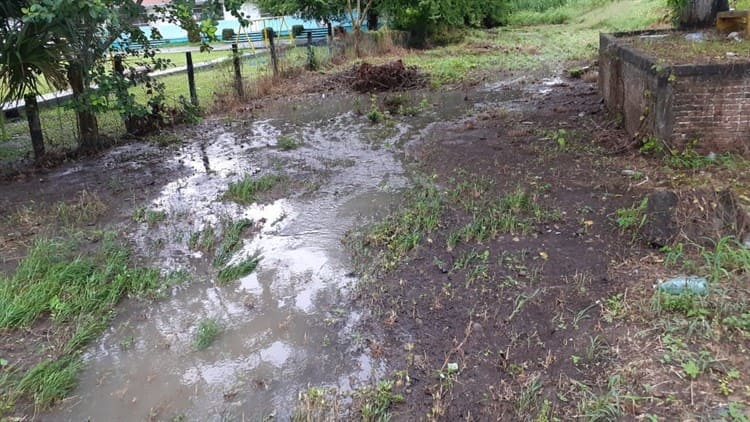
284,326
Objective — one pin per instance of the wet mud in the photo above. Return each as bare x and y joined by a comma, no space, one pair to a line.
289,324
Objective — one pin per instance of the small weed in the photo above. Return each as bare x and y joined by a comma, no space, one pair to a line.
206,333
246,190
605,407
287,143
84,209
520,301
632,218
652,145
515,213
203,239
529,399
613,307
317,404
151,217
378,401
375,115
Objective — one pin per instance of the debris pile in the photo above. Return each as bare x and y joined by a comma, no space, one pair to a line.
393,76
388,77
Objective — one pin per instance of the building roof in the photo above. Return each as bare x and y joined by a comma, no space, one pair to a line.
148,3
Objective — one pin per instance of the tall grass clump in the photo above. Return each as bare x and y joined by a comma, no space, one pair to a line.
76,294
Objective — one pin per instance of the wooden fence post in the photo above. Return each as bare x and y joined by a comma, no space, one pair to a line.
310,54
237,74
274,60
191,78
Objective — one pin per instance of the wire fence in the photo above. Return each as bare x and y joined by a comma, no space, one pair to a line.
215,82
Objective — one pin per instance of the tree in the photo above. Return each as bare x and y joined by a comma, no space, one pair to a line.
26,57
83,31
426,18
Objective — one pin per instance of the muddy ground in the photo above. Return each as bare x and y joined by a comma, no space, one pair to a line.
540,317
554,320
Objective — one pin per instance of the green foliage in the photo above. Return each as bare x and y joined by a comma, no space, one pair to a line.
514,213
51,281
632,218
246,190
206,333
49,380
375,115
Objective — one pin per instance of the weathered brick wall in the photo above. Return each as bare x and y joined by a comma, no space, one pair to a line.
709,104
715,110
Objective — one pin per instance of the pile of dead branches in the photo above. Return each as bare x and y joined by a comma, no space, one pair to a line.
393,76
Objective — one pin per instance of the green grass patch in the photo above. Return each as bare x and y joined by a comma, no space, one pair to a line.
207,332
246,191
403,231
234,272
151,217
77,293
514,213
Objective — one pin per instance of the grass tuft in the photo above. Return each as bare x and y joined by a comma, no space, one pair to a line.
234,272
231,240
246,190
207,332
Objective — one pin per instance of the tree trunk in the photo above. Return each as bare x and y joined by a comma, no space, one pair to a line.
35,126
88,128
701,13
357,29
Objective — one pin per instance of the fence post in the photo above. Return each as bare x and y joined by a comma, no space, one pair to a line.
191,78
237,75
131,126
35,126
310,54
274,61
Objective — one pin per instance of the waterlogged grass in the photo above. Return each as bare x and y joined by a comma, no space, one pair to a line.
243,268
246,191
77,294
50,380
231,240
403,231
207,332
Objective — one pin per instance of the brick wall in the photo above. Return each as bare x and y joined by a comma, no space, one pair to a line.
680,104
714,110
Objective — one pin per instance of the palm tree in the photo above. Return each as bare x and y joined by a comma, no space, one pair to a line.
25,57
